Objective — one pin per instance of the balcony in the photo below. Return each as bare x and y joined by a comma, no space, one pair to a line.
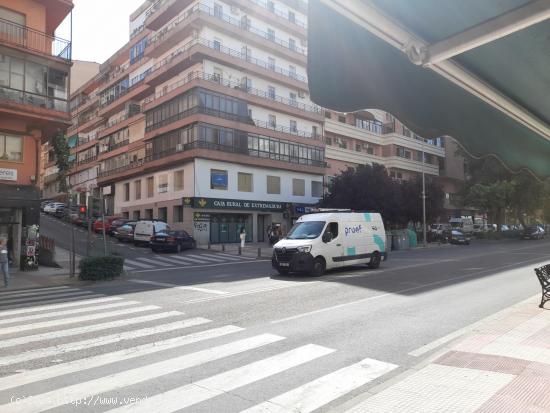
111,147
87,160
24,37
292,105
279,13
159,43
32,99
162,11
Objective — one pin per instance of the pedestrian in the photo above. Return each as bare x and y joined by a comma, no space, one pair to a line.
242,236
4,260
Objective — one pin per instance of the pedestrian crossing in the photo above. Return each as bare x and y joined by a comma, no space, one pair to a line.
176,261
97,351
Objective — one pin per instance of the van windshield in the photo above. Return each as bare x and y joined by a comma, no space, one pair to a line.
306,230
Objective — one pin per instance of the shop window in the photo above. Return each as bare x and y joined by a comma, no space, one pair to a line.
244,182
11,148
137,189
178,213
150,187
316,189
126,192
178,180
298,187
273,184
218,179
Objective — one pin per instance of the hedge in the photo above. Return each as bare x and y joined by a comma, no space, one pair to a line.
101,268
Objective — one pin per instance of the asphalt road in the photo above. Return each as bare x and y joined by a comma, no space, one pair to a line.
252,338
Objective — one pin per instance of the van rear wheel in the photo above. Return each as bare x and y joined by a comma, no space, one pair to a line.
318,268
375,260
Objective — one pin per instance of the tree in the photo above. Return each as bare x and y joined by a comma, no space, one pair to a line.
369,188
493,198
62,152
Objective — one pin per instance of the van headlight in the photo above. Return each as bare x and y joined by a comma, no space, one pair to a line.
304,248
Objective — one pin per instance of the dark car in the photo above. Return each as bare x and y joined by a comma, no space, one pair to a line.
172,240
125,233
533,232
115,224
459,237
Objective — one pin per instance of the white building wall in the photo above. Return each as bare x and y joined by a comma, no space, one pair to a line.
259,183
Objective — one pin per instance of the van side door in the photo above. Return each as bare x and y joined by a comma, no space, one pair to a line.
332,247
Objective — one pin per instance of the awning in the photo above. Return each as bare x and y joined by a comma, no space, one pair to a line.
478,71
72,141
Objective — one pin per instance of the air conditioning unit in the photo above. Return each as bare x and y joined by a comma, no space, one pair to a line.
179,147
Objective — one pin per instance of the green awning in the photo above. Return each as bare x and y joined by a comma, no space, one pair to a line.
72,141
492,96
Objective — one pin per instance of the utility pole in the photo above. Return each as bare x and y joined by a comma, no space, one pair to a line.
103,221
88,215
72,252
423,199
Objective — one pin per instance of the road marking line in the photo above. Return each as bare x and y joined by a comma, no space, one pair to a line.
63,305
188,258
36,291
238,293
26,300
202,390
154,262
112,382
128,268
180,287
46,373
99,341
209,258
319,392
66,312
233,256
170,260
203,266
405,290
71,320
86,329
134,263
181,260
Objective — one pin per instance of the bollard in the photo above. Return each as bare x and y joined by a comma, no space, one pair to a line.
259,252
240,250
223,247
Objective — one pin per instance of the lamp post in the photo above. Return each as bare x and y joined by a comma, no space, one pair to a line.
423,199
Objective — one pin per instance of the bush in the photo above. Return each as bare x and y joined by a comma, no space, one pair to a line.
101,268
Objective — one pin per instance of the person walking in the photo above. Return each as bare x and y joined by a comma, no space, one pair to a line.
4,260
242,236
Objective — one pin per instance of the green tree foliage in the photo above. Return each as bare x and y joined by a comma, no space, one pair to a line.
62,152
369,188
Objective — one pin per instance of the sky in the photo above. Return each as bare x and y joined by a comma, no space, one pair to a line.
100,27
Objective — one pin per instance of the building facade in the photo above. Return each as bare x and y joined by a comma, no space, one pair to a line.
34,105
203,119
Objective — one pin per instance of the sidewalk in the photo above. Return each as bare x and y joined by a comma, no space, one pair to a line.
502,365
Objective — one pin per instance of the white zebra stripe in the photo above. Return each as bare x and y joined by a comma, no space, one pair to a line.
169,260
155,263
180,287
187,258
28,300
57,306
86,329
56,398
36,291
209,257
134,263
202,390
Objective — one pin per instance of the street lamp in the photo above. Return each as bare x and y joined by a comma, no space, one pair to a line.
423,199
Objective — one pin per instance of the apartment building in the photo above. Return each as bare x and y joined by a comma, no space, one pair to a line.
34,97
203,119
375,136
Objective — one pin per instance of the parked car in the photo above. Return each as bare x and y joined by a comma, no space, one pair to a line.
115,224
172,240
146,229
533,232
60,211
45,203
125,233
98,224
52,207
459,237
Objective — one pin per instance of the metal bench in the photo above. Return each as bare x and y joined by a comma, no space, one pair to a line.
543,274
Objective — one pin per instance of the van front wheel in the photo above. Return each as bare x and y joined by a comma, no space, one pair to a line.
375,260
318,268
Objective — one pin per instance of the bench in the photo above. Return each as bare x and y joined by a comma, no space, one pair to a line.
543,274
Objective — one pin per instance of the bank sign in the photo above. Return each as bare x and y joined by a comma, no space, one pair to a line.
240,204
8,174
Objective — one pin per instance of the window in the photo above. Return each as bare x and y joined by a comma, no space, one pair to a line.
137,189
178,213
244,182
314,131
246,53
218,179
298,187
218,10
149,213
291,16
273,184
292,98
403,153
11,148
126,215
163,184
271,92
178,180
332,229
270,6
316,189
217,43
293,126
272,121
150,187
292,71
271,35
218,74
342,119
327,114
137,215
271,63
163,214
127,192
13,17
292,44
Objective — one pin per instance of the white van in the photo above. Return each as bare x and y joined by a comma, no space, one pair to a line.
319,242
144,230
464,224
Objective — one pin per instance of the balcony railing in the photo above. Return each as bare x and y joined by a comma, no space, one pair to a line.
271,8
87,160
112,147
244,25
26,98
25,37
230,116
235,85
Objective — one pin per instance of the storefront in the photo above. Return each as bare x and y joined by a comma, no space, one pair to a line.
219,221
